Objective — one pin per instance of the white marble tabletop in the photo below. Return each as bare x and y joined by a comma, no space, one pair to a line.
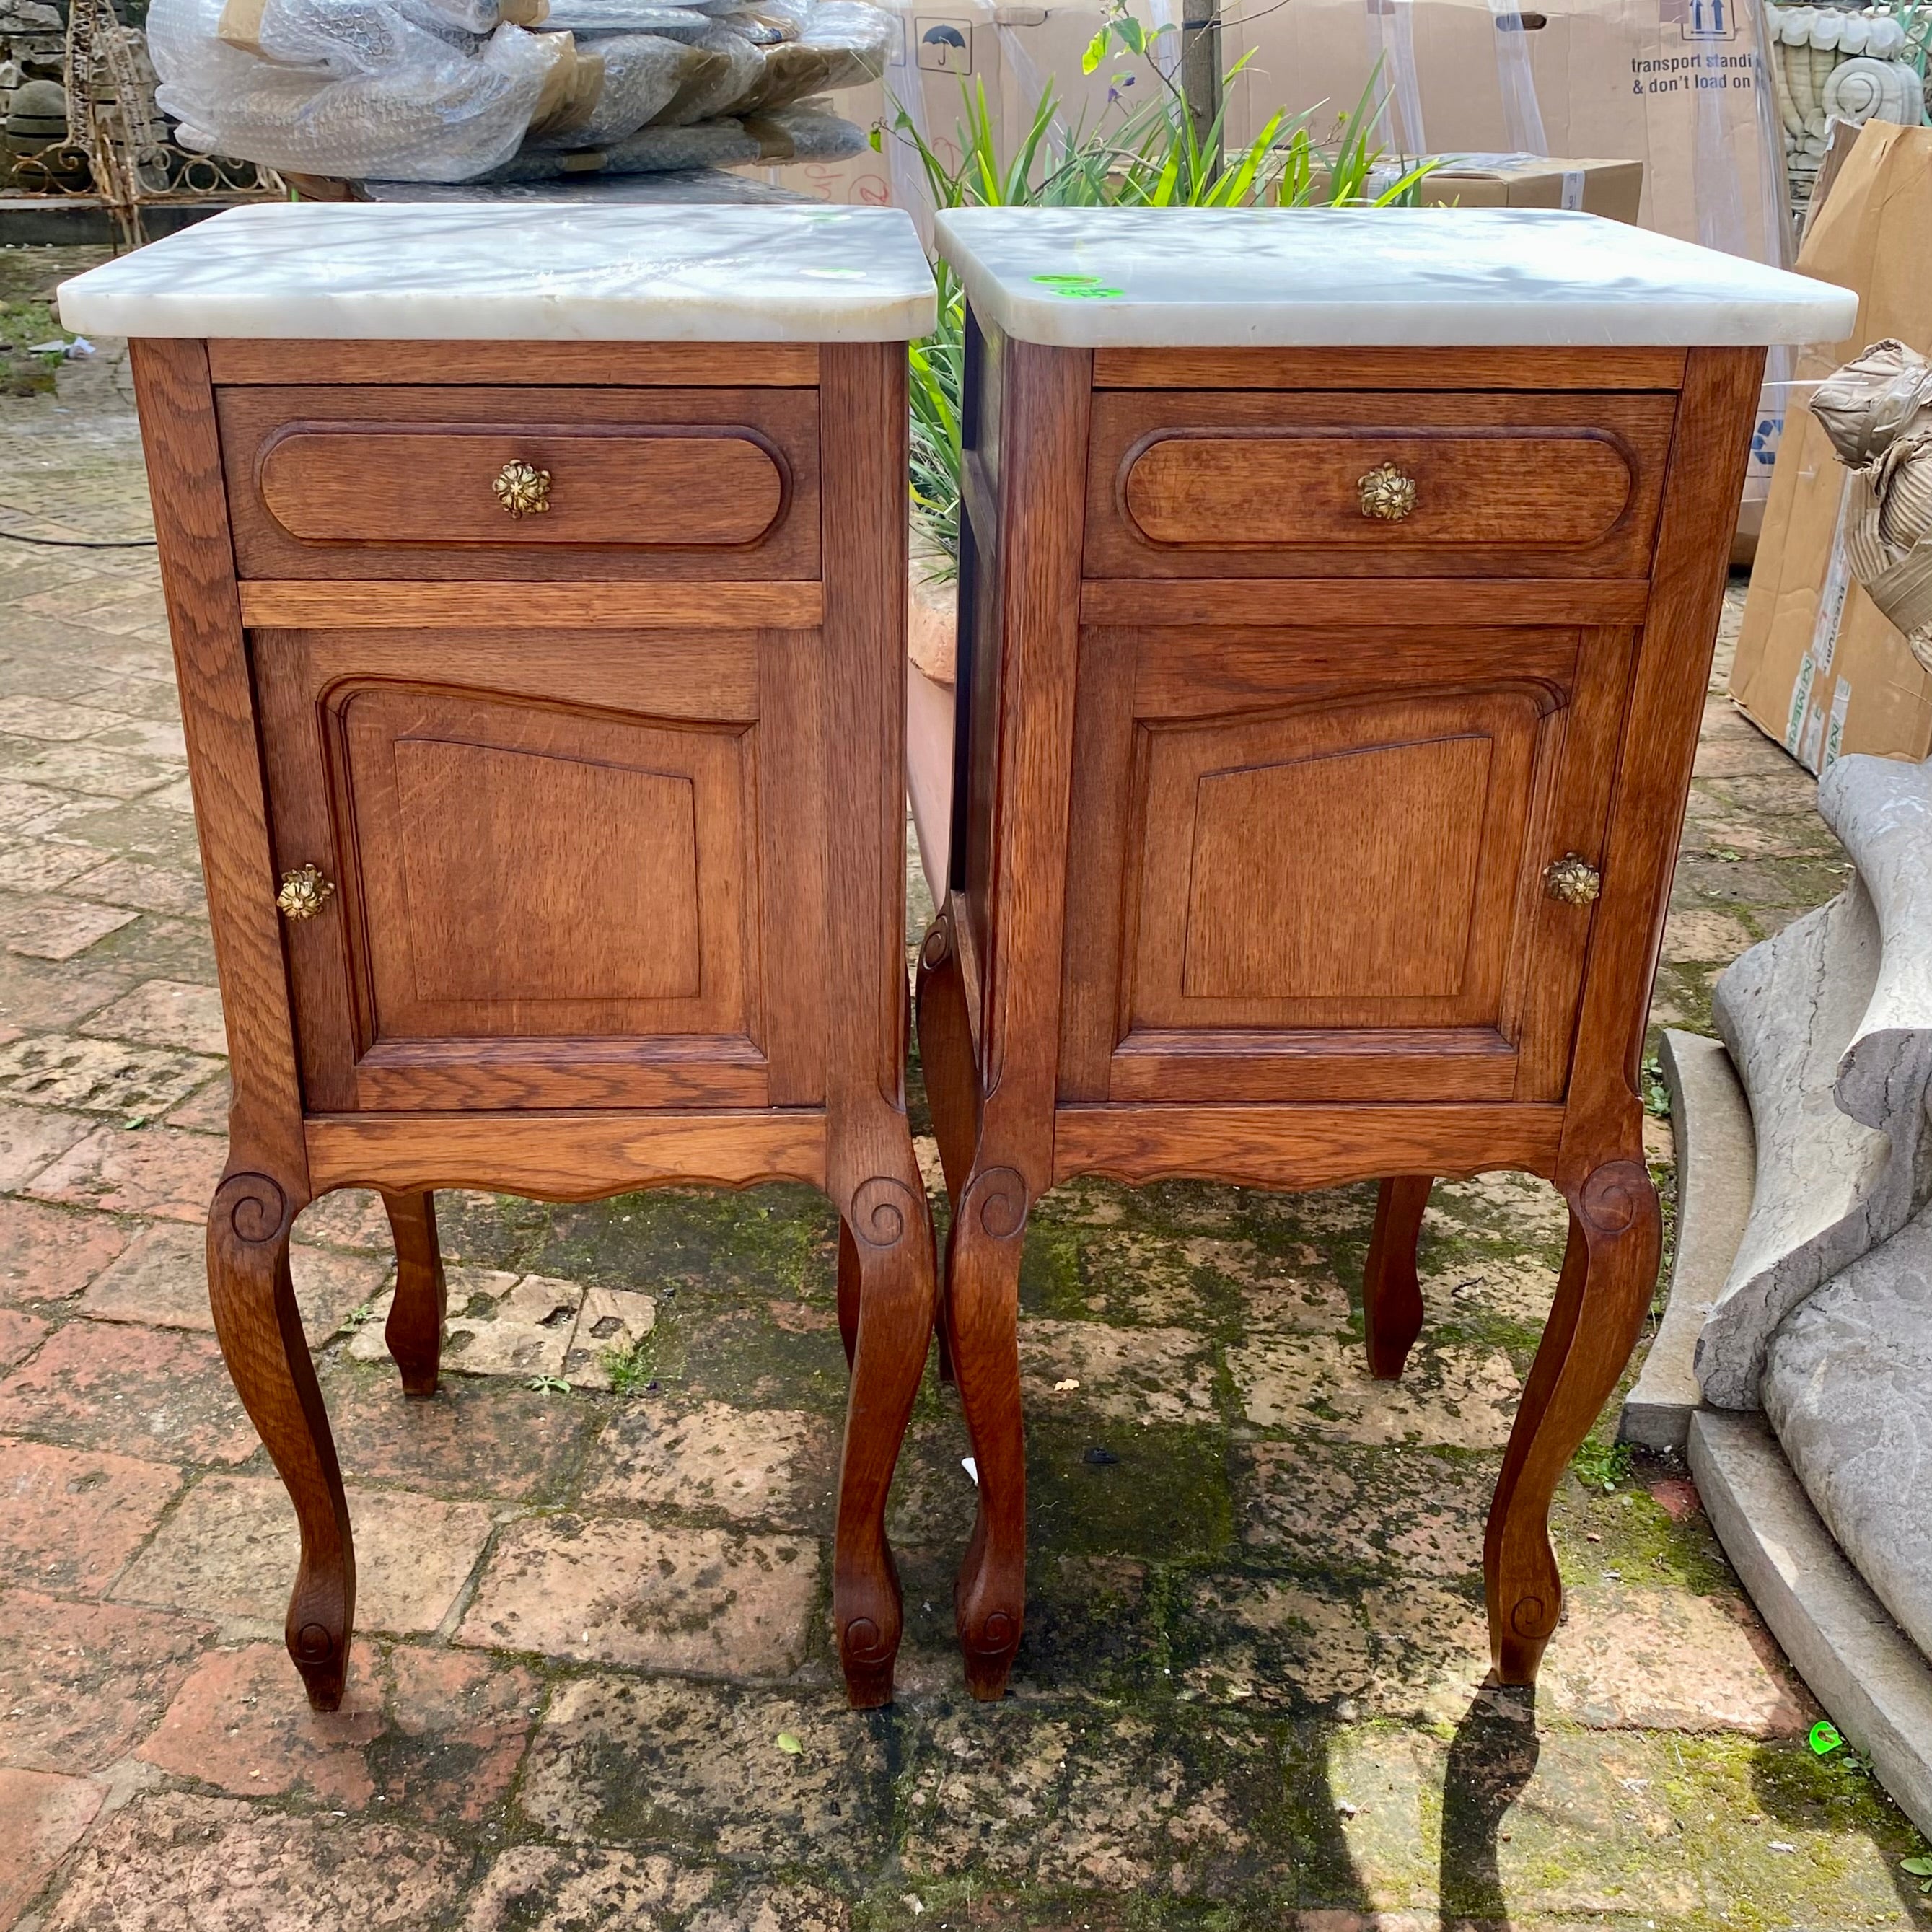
525,272
1426,277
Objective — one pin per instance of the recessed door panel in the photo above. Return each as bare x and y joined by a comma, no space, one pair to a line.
530,870
1286,899
547,896
1347,865
1327,883
481,938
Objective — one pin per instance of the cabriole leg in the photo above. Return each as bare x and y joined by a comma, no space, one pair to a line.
261,1334
982,1313
1610,1269
1391,1296
414,1330
887,1235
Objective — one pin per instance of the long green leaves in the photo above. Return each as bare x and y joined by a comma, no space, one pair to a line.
1148,157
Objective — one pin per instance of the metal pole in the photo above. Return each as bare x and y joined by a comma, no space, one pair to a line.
1201,70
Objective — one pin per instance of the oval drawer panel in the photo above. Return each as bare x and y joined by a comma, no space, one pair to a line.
672,485
1283,487
1426,483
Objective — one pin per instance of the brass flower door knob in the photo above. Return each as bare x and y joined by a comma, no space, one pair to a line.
1387,494
522,489
1572,879
304,893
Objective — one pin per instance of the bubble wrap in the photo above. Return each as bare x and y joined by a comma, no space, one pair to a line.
437,112
844,43
626,17
451,90
736,68
621,80
790,134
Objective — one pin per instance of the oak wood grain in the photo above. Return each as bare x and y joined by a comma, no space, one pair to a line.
1294,1148
887,1264
1247,484
1020,740
179,434
1709,453
1349,604
776,430
681,365
337,601
413,1333
566,1156
386,483
1291,490
1194,926
1352,369
1204,874
1391,1294
260,1330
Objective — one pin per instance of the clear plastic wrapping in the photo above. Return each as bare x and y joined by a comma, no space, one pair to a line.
618,82
717,87
452,90
438,111
843,43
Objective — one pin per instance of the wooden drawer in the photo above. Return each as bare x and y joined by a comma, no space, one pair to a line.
1249,483
401,482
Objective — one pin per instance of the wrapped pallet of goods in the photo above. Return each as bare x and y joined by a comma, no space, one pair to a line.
472,90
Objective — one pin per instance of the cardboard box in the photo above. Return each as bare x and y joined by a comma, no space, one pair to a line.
1819,667
1614,189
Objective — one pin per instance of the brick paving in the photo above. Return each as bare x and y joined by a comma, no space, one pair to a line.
593,1685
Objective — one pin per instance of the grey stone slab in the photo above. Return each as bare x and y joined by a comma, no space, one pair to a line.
1717,1157
1848,1389
1826,1189
1830,1026
1882,810
1861,1667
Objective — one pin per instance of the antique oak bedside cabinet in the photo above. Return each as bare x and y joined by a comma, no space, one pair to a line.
537,585
1336,595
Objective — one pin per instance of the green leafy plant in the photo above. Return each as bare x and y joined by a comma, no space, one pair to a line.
629,1368
1656,1092
1149,156
1602,1465
1921,1870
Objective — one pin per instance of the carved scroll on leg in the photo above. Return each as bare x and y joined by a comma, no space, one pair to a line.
1391,1295
981,1311
1608,1272
888,1234
262,1339
414,1330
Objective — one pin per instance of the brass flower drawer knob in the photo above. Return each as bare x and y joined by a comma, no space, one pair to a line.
1572,879
1387,494
522,489
304,893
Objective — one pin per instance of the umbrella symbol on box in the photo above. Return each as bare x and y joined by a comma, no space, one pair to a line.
946,46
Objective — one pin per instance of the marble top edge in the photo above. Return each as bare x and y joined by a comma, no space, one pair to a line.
1392,277
526,272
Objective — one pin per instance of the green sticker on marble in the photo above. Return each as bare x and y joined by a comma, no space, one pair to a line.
1079,288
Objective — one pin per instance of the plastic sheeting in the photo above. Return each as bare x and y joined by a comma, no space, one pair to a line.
451,90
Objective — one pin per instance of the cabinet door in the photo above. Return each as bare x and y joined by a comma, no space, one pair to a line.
558,859
1309,866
